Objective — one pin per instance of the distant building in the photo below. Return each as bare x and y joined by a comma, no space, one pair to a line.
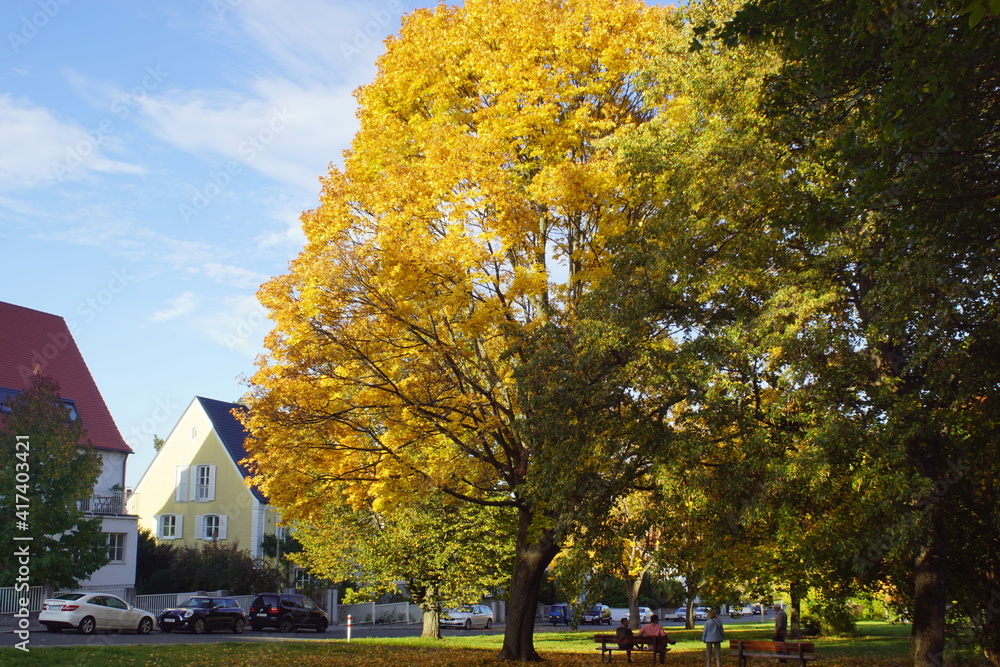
194,490
31,340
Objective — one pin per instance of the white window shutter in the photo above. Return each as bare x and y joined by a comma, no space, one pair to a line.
182,483
199,527
211,482
193,484
222,526
158,520
179,531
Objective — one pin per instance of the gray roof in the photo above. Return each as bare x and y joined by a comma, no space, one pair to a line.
231,432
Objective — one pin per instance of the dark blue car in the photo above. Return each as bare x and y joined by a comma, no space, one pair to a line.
560,613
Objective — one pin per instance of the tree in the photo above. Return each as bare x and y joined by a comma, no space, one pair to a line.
891,115
436,326
48,467
446,553
152,564
282,549
215,566
158,442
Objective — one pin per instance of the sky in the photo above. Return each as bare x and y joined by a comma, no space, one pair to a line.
155,157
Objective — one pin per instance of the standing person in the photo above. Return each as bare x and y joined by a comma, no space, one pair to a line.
625,631
654,630
780,623
712,634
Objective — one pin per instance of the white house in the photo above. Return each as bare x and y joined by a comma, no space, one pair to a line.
31,340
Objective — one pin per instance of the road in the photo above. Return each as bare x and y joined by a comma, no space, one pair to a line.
38,637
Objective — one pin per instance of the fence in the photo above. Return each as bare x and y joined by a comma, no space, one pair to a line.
369,612
404,612
10,599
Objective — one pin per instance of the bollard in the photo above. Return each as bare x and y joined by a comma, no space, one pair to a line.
348,627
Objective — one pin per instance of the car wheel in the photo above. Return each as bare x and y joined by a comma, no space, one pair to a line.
468,624
286,625
198,627
256,628
53,628
145,626
489,623
239,626
321,625
87,626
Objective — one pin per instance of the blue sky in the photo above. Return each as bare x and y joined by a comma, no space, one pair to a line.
154,159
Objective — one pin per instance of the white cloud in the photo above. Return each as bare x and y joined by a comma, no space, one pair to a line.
36,148
176,307
234,276
284,131
239,323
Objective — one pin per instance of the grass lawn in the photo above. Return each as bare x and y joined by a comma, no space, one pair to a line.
878,644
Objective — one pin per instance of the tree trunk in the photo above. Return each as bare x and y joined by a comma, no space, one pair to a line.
691,590
431,621
530,563
795,597
930,597
632,587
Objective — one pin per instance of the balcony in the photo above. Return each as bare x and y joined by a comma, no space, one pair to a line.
110,504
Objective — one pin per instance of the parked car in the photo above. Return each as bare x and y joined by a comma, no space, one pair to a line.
679,615
644,614
90,612
287,612
701,613
203,614
467,617
560,613
599,613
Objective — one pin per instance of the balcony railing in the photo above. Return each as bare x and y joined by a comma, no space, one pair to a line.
104,504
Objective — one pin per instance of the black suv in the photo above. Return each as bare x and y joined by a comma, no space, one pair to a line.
203,614
287,612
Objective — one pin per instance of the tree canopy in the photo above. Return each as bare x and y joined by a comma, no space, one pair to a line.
434,332
47,467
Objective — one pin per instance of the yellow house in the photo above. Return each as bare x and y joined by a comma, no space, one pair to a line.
194,489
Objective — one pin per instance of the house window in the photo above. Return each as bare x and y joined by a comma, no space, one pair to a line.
303,578
211,527
169,526
116,547
205,481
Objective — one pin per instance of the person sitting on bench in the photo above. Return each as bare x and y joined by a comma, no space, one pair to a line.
654,629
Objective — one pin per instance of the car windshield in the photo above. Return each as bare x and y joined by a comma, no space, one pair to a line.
596,609
464,609
196,602
69,596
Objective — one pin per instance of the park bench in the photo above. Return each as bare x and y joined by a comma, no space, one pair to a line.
745,649
609,644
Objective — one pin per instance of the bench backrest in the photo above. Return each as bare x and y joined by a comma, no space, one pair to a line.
615,638
762,645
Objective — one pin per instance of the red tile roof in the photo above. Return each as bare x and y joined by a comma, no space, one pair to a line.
30,339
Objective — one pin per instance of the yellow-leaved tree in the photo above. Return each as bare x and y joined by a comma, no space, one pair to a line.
436,332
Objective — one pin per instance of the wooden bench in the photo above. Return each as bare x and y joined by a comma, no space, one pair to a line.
745,649
610,643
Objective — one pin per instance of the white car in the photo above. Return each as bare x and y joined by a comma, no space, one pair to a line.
644,615
467,617
90,612
701,613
